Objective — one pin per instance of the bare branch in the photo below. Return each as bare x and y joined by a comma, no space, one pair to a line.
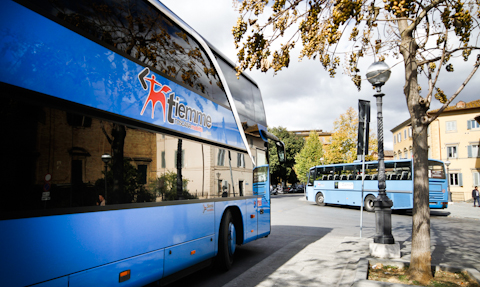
475,68
422,15
448,53
432,85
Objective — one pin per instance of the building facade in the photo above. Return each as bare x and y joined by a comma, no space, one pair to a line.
453,138
324,137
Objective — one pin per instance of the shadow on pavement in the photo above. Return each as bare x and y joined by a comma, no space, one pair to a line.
433,212
439,213
283,243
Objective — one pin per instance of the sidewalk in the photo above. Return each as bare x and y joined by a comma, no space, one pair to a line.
336,261
462,210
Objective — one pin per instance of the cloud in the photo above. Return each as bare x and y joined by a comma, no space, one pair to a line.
303,96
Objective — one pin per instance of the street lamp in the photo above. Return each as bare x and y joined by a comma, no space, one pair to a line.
447,163
378,74
106,159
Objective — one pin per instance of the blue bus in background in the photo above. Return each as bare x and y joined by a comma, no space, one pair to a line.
342,184
133,153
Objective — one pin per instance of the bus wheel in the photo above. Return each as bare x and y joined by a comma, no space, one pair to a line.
319,199
227,241
369,203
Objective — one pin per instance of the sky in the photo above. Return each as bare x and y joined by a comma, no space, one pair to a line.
303,96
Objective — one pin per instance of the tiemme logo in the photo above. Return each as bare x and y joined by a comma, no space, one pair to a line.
178,113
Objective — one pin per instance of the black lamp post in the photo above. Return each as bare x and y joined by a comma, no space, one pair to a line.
106,159
378,74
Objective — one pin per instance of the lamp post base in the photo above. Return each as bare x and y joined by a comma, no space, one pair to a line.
383,218
385,251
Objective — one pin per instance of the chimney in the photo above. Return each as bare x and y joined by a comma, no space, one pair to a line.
460,105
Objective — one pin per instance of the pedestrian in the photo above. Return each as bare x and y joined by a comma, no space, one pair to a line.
476,196
101,200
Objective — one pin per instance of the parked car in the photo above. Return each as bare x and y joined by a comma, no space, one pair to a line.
300,188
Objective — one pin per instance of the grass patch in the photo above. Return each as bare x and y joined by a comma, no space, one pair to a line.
394,274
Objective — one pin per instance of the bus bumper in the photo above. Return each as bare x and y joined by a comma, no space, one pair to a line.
438,205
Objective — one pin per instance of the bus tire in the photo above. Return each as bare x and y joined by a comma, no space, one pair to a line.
227,240
320,199
369,203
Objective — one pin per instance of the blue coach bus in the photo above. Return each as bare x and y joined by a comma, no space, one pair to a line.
342,184
133,153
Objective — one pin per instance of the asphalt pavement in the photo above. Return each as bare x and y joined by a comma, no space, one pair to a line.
334,261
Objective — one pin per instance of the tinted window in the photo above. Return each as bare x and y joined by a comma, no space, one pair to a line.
139,30
260,116
260,174
57,167
436,169
246,95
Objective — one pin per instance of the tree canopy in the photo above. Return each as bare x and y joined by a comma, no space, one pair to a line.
343,144
426,35
293,144
310,155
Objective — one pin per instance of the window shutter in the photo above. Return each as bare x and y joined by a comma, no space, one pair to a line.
469,125
460,179
476,180
163,159
470,151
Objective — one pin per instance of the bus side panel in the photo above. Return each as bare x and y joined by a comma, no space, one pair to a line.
400,192
94,239
58,282
187,254
353,197
251,224
144,269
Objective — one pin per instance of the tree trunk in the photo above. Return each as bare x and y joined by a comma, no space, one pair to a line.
420,261
118,142
179,171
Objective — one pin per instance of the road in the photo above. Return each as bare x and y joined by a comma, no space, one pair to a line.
296,223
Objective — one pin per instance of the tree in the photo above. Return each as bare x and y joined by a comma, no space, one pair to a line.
310,155
293,144
166,187
425,35
132,190
343,144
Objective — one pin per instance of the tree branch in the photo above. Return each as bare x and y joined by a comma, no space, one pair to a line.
432,85
422,15
475,68
448,53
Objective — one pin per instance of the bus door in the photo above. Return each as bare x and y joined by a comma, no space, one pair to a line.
261,189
